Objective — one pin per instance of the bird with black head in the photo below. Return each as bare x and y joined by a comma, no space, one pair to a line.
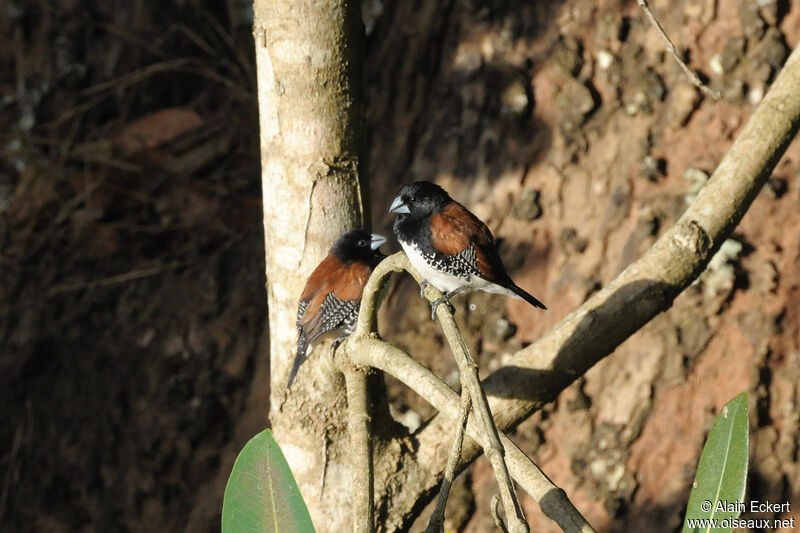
451,248
331,298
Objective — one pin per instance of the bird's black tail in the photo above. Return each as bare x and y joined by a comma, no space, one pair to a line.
302,346
527,297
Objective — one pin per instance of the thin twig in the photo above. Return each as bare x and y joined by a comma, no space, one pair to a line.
118,278
137,76
495,507
674,52
134,274
468,370
436,522
358,425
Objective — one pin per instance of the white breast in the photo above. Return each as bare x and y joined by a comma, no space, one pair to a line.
440,280
447,282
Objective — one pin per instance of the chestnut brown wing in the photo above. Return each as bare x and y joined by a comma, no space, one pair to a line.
333,292
455,229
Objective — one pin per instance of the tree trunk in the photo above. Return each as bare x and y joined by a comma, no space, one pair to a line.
309,57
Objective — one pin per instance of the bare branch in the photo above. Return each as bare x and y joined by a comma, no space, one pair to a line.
394,361
672,50
358,425
436,522
365,350
470,381
469,375
495,506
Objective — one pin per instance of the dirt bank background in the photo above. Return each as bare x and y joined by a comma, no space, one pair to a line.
133,361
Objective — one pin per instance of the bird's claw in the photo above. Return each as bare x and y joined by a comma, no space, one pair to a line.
439,301
422,286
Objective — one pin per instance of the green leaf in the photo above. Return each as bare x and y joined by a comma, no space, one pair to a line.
262,495
718,489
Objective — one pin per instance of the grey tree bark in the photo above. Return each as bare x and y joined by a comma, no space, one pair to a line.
308,56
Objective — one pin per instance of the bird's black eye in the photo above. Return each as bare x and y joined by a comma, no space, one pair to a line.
412,198
362,243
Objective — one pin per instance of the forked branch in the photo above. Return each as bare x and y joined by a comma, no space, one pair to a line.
468,371
436,522
364,349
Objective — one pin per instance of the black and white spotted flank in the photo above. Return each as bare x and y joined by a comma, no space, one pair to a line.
450,273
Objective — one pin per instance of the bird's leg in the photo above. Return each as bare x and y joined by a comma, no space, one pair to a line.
422,286
338,340
445,299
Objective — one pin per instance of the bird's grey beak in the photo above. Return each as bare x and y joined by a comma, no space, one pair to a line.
399,207
377,241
